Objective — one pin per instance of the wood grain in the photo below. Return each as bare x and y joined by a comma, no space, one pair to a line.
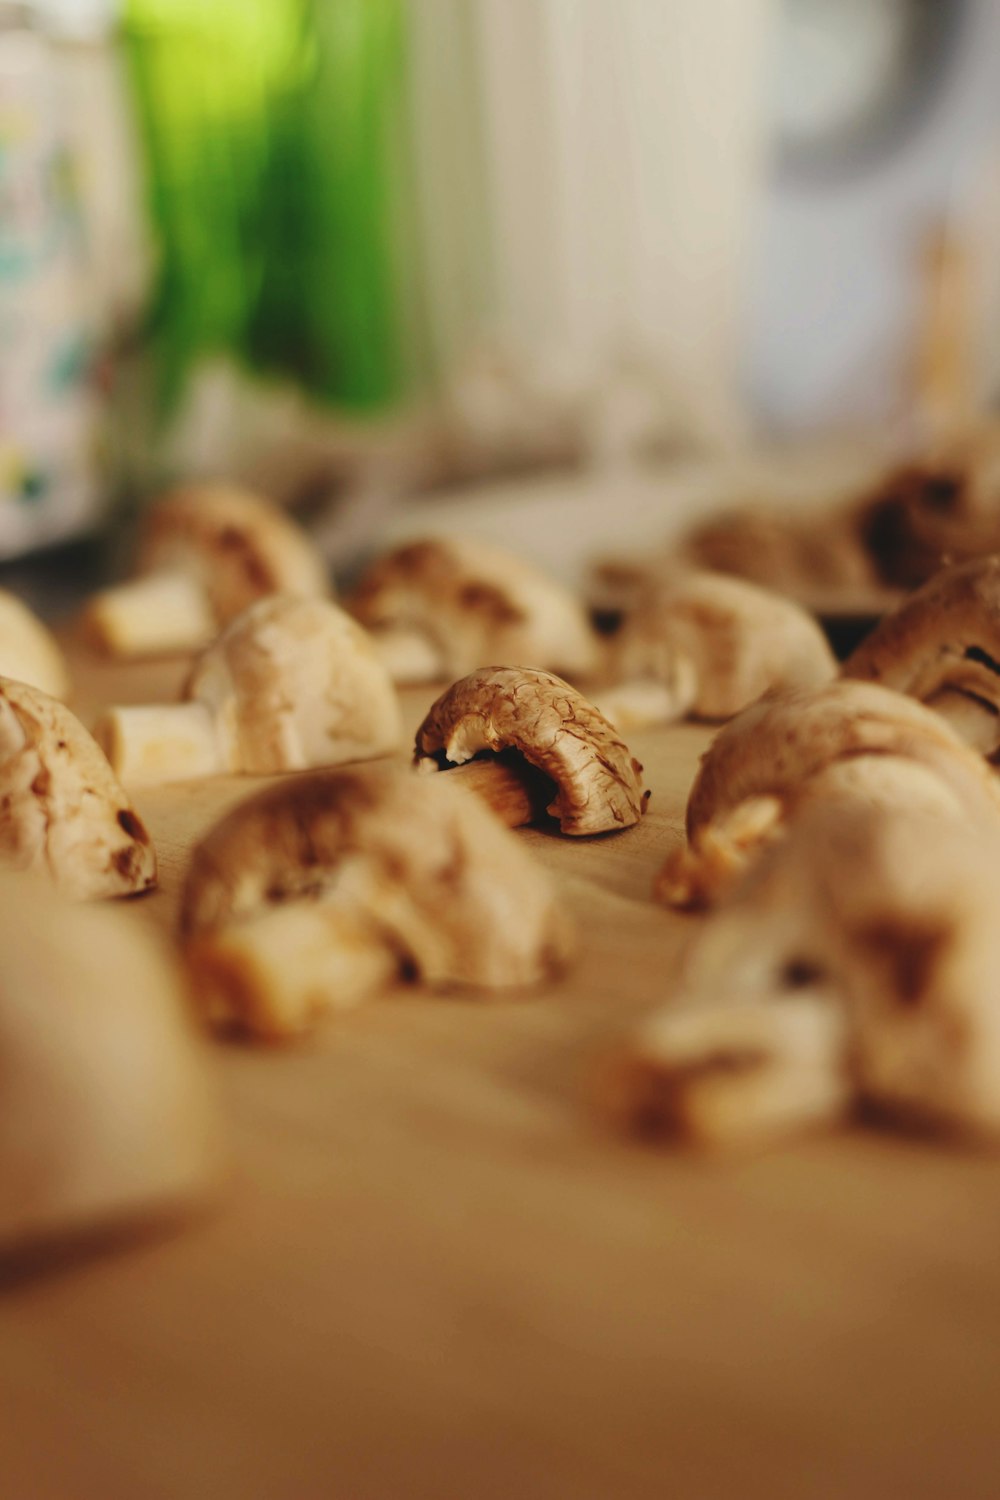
431,1273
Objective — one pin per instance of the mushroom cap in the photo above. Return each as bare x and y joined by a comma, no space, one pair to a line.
598,782
922,513
295,683
28,651
778,744
743,641
238,545
944,636
781,550
62,809
106,1112
476,603
454,892
889,914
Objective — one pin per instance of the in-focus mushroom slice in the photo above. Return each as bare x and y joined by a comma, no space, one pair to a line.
208,551
443,607
321,890
62,810
847,740
28,651
741,640
289,684
942,646
540,727
107,1116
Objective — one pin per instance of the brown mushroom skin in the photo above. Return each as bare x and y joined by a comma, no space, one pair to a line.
323,890
241,547
776,745
474,603
742,640
942,643
62,809
598,782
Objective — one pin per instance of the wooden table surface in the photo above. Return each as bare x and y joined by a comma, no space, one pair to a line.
432,1273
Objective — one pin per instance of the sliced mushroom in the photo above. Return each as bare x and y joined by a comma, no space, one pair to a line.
207,553
28,651
856,961
289,684
846,740
550,740
942,645
740,640
321,890
731,1075
106,1115
62,811
441,608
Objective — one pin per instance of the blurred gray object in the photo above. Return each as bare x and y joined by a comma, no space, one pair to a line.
886,118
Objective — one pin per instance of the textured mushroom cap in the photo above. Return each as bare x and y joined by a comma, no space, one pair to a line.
944,636
598,782
295,683
775,746
743,641
238,545
475,604
106,1112
454,892
28,651
62,809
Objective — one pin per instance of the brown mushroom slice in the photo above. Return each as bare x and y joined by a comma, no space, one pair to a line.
107,1116
208,551
915,907
867,944
62,810
942,646
28,651
320,891
289,684
731,1075
542,728
442,607
741,640
843,741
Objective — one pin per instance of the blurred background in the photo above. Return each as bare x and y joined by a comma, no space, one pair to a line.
552,265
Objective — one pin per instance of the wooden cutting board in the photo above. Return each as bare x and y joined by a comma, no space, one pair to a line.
432,1273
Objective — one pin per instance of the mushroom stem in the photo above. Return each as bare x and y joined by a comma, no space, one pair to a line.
517,792
160,742
159,613
409,656
246,983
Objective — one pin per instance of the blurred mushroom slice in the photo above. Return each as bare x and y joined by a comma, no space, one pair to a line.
28,651
734,1074
740,640
106,1116
289,684
856,962
504,726
443,607
916,911
942,645
846,741
208,551
322,890
62,809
